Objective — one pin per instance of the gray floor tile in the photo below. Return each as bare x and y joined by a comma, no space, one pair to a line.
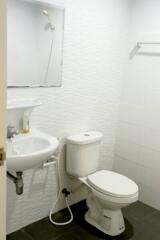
154,219
138,211
68,236
142,223
19,235
44,230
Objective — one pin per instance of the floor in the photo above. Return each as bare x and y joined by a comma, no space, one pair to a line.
142,223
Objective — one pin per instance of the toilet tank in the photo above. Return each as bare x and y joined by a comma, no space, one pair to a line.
82,156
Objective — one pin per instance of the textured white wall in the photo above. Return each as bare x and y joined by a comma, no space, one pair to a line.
138,142
95,55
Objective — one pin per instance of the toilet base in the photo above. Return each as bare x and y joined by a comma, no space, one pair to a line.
107,220
112,226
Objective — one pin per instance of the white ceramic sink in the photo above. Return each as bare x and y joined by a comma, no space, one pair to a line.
25,151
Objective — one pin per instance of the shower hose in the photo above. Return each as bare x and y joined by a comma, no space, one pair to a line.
57,158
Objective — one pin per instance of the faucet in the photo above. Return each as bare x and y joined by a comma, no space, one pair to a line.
11,131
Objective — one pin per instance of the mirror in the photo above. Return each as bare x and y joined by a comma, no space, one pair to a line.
35,44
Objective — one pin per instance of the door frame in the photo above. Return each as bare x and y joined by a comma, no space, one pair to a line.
3,67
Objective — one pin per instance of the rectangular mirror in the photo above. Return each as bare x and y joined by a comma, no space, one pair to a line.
35,44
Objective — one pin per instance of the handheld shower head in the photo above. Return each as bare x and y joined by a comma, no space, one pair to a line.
45,13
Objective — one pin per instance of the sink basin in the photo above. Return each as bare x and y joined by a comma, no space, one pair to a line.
26,151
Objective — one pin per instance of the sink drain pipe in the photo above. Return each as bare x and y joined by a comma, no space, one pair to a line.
18,181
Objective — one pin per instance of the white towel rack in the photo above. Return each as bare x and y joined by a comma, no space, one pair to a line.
138,45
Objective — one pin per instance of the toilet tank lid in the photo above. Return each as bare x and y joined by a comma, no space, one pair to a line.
85,138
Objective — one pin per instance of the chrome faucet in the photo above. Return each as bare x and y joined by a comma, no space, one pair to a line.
11,131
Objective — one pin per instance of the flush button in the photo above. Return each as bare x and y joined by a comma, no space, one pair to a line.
86,135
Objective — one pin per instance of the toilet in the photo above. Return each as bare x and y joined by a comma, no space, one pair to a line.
108,191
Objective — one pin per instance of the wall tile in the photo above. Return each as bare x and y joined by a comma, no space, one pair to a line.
129,132
140,105
149,196
131,113
128,150
150,158
125,167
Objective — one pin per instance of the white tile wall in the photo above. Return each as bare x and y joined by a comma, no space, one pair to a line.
95,55
125,167
138,136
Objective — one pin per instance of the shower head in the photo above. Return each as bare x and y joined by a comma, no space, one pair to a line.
45,13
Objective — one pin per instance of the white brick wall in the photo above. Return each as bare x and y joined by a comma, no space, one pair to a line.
95,53
138,140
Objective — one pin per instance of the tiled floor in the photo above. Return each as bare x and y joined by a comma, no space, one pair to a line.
142,223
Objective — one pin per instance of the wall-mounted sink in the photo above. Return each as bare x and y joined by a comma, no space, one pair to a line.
25,151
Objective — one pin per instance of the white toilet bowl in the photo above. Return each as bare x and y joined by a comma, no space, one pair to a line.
108,193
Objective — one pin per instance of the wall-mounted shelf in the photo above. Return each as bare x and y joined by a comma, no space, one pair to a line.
138,45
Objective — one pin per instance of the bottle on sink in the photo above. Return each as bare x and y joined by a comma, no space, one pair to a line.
25,122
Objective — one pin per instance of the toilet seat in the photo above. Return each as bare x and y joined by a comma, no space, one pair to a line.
113,184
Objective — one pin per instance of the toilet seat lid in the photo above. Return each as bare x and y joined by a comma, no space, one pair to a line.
112,183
